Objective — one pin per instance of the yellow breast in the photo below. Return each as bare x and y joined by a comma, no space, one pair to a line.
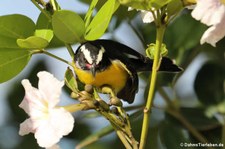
114,76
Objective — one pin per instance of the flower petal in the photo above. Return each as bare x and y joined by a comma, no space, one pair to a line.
26,127
208,11
213,34
62,127
130,8
51,130
56,146
46,136
47,122
147,16
50,87
33,100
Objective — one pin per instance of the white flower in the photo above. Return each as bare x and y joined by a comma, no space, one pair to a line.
211,13
48,122
147,16
56,146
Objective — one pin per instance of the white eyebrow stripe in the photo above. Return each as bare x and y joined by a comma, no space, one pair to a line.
100,55
87,54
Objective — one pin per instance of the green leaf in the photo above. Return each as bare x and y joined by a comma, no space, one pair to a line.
101,21
197,117
39,41
145,4
33,42
44,23
137,4
12,58
89,13
68,26
7,42
174,7
16,26
182,30
12,62
157,4
209,83
71,81
46,34
13,27
171,136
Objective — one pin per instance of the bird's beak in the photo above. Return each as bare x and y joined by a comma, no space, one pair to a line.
93,70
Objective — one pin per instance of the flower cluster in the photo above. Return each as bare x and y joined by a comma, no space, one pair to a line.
211,13
47,121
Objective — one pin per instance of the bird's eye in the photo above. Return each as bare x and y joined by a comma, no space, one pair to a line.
86,64
85,61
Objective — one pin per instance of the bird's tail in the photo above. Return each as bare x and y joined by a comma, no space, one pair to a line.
167,65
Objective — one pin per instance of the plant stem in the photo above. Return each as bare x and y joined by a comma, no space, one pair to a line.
123,139
74,107
70,50
43,11
174,111
156,64
188,125
120,122
223,132
94,137
53,5
56,57
52,55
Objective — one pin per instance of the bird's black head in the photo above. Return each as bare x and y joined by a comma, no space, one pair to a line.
91,57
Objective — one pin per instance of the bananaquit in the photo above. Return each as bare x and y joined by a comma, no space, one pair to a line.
108,63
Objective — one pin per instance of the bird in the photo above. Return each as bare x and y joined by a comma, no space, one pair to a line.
109,63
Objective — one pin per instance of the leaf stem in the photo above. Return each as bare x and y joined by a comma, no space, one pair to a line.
70,50
51,55
156,64
53,5
42,10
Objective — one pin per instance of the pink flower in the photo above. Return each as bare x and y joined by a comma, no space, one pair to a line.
211,13
48,122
